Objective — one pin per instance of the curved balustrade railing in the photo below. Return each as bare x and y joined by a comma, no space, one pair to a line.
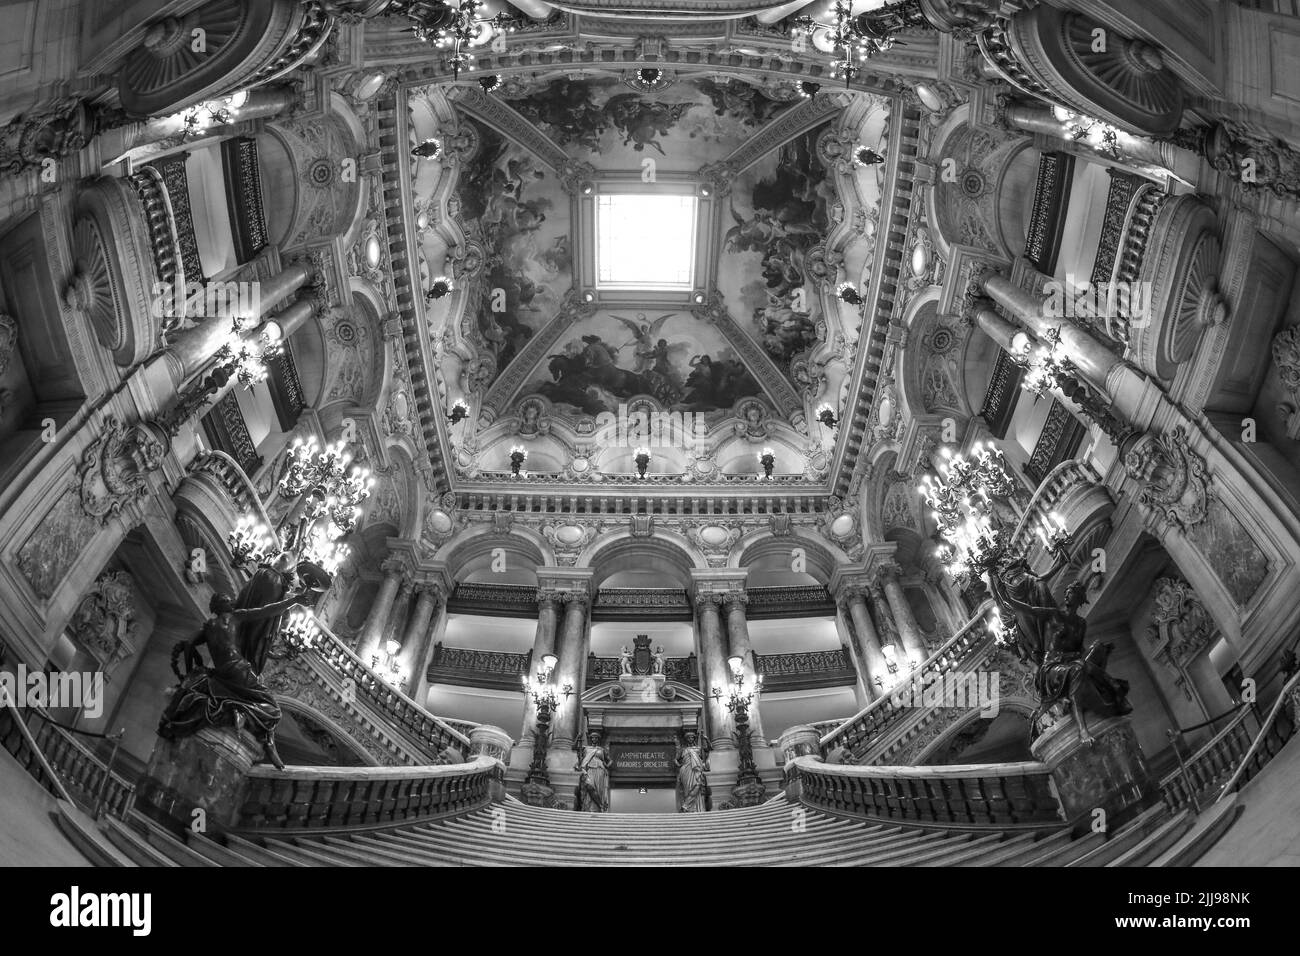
335,799
866,725
1132,251
16,737
160,222
226,473
92,783
1234,755
435,734
1050,493
964,796
62,764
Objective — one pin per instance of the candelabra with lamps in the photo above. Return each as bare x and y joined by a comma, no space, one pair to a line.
546,702
739,702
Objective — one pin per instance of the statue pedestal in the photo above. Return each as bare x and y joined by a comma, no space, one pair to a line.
641,688
749,793
1109,774
204,771
537,795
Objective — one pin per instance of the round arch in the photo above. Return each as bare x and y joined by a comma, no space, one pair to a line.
665,552
821,558
472,550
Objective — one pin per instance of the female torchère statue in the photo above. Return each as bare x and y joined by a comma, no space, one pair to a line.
1068,674
692,785
229,693
592,792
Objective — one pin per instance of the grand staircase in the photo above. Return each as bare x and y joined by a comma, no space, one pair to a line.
510,833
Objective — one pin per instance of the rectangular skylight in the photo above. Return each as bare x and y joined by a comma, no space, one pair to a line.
645,240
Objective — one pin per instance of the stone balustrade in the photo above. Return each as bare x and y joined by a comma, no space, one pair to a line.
1237,752
385,700
337,799
865,727
160,226
967,796
63,765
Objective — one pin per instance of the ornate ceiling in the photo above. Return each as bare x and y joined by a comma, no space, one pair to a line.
548,359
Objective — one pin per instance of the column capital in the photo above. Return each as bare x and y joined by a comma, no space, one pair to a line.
705,599
573,598
733,600
550,596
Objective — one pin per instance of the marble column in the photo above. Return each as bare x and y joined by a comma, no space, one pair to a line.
193,348
395,629
372,631
738,639
416,641
713,669
866,640
909,631
548,602
571,651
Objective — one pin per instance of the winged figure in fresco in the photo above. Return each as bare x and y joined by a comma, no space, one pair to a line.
643,338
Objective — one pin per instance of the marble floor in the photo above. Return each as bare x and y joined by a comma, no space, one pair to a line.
1268,831
28,834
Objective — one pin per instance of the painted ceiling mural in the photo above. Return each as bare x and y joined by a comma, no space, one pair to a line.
778,214
765,256
604,123
513,205
680,361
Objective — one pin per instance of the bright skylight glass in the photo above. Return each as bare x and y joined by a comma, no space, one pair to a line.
645,240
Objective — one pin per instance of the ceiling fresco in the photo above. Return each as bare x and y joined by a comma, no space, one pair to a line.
778,213
605,123
513,205
680,361
540,332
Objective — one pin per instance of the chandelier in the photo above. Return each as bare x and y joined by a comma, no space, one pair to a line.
249,361
251,543
962,506
455,28
854,37
1049,369
327,491
300,632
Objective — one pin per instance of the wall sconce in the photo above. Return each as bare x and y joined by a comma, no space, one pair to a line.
441,287
891,657
429,149
737,665
518,455
866,156
548,665
642,460
767,458
809,89
826,415
848,292
459,412
490,82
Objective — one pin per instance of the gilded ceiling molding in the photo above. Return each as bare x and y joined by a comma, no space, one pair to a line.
496,113
789,403
777,133
887,275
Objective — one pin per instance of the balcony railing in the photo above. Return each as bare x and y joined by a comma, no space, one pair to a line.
683,670
467,667
226,431
225,473
806,669
160,225
1058,442
1004,390
1047,218
1055,487
332,799
970,796
176,182
1131,207
244,197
